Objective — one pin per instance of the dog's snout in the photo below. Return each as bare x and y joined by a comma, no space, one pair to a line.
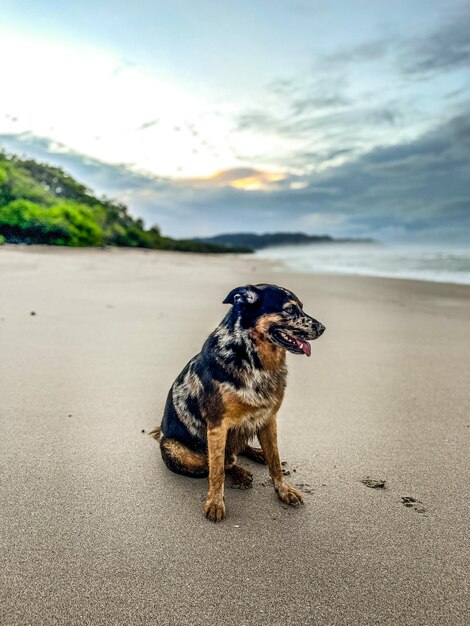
315,327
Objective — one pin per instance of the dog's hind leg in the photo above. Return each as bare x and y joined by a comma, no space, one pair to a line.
241,477
181,460
255,454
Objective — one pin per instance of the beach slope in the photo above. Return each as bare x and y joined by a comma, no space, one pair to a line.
95,530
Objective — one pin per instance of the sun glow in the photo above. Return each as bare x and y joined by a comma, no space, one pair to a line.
262,182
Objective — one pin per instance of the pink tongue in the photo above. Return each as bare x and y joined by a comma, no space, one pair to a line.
304,346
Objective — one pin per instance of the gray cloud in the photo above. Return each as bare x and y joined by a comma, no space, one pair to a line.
365,52
320,101
324,90
417,189
349,125
445,49
321,107
411,188
257,120
311,91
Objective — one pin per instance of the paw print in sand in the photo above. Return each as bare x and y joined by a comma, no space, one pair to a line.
413,503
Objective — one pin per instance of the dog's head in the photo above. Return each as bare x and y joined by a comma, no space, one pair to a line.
277,315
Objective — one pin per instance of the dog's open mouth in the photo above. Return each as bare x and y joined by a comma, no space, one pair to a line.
291,343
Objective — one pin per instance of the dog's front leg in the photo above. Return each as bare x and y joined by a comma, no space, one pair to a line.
214,508
268,439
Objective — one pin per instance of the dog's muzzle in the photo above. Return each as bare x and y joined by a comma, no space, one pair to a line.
296,338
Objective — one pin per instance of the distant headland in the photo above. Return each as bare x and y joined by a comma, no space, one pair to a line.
256,241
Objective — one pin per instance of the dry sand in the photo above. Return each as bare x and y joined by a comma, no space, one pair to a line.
95,530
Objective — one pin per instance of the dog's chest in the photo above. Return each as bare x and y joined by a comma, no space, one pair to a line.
253,421
263,388
249,407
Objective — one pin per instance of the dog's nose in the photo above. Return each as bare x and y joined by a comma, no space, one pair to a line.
320,329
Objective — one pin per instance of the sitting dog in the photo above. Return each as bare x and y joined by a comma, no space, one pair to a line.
232,391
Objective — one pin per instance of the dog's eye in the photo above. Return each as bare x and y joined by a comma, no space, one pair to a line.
289,309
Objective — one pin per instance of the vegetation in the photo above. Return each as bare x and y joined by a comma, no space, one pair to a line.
41,204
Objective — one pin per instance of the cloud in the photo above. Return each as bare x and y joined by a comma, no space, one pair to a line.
258,120
338,121
309,93
404,190
445,49
342,107
338,133
368,51
105,178
323,101
326,111
414,189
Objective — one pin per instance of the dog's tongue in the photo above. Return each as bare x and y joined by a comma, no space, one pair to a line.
304,346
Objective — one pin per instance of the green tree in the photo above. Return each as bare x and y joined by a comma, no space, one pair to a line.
67,223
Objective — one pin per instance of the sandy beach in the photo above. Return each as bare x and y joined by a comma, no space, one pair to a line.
95,530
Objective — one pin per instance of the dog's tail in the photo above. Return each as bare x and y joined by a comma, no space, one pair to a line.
156,433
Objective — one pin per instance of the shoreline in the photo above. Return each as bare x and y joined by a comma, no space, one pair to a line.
282,267
399,262
274,265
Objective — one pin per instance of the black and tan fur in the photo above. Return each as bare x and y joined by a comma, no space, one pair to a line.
232,390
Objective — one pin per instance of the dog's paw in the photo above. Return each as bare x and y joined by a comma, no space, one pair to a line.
242,478
289,495
214,509
255,454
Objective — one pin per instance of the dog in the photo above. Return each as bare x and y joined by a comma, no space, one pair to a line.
232,391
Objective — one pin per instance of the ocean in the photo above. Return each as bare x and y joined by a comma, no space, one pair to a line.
431,263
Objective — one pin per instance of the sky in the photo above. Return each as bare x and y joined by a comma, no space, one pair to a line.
346,118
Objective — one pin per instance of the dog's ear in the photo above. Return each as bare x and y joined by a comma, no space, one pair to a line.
242,295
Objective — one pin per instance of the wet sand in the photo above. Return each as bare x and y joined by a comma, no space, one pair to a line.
95,530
